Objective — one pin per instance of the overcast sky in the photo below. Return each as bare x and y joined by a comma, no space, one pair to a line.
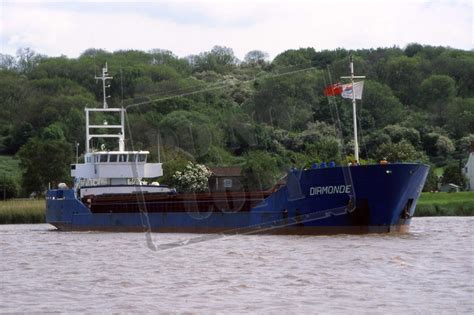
189,27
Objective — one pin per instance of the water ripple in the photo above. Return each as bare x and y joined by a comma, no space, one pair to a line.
429,270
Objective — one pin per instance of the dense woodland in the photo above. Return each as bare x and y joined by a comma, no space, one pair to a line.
265,116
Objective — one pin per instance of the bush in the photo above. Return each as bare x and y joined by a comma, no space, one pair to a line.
194,178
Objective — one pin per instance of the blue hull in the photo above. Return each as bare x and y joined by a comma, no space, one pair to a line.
359,199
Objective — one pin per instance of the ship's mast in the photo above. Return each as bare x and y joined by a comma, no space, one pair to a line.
104,77
354,111
91,127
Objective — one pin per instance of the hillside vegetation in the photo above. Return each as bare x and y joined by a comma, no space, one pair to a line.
265,116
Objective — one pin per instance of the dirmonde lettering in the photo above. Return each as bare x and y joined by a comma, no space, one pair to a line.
329,190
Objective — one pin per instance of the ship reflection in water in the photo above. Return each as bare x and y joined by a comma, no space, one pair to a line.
428,270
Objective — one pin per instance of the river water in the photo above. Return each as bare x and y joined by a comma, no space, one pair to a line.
431,269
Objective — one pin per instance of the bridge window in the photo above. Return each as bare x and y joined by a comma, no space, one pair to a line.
103,158
141,157
122,158
132,157
113,158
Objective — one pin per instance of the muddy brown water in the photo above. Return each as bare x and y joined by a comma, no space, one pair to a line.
429,270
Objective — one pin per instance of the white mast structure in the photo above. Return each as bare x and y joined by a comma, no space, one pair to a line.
354,112
112,171
104,77
121,135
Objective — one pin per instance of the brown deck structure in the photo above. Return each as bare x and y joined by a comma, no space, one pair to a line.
129,203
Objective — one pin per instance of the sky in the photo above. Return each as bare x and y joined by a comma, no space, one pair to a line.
189,27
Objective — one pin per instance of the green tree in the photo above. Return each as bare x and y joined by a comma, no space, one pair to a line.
380,102
438,146
45,160
429,143
15,98
260,170
453,175
9,186
285,102
325,150
403,75
7,62
295,57
256,57
398,133
436,92
459,65
402,151
220,59
27,60
373,140
19,135
413,49
460,117
463,146
173,160
437,88
431,183
444,146
189,131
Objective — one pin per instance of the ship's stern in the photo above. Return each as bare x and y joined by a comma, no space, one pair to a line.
61,206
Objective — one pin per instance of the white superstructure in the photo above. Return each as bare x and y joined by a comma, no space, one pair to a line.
112,172
468,169
117,166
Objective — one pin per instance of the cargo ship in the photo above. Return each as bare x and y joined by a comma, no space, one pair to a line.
110,193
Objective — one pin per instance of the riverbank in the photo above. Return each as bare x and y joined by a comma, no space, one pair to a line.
430,204
445,204
22,211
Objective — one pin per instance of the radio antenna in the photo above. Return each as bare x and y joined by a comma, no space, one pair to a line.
104,77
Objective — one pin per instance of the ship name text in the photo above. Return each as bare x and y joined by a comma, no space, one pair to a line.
329,190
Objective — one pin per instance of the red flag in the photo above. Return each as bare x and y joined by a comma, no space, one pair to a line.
333,89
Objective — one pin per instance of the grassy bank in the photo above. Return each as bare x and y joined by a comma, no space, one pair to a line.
445,204
22,211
